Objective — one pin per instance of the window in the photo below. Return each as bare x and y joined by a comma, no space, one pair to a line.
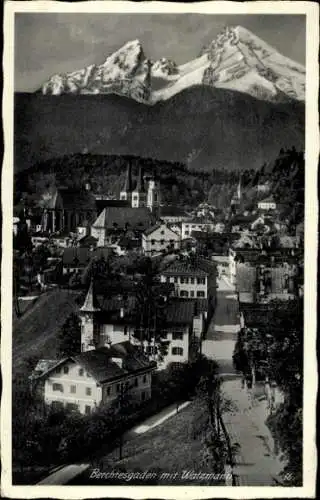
58,370
201,281
187,225
136,383
87,409
143,396
168,279
57,387
162,242
125,330
73,389
135,196
184,293
192,293
162,232
153,242
175,279
109,390
66,369
177,351
88,391
118,388
72,407
181,280
177,335
186,233
144,379
200,294
57,405
81,372
192,281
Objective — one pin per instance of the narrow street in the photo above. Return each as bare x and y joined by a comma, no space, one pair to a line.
222,332
256,462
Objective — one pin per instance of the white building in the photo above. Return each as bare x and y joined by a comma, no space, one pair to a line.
189,281
267,204
159,238
201,225
96,378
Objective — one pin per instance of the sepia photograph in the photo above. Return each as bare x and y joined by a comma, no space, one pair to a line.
163,178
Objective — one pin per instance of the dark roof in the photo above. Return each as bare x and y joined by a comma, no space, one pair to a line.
88,240
202,305
180,311
255,314
269,199
82,255
123,217
172,211
101,204
99,364
153,228
183,268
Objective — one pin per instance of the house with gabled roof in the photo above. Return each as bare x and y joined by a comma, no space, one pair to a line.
95,378
115,222
160,238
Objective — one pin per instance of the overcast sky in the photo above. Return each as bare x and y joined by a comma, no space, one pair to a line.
52,43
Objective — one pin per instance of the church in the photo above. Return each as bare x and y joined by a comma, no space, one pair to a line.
145,193
139,212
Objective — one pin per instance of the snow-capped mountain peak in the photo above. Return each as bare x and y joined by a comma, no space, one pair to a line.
236,60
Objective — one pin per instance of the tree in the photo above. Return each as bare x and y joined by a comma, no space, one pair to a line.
277,347
70,336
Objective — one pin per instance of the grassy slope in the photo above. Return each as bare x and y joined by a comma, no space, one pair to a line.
174,446
35,333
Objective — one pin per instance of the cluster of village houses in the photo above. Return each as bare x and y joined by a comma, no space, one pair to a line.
113,359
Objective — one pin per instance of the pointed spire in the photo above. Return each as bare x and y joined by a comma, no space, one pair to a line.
90,303
140,182
128,182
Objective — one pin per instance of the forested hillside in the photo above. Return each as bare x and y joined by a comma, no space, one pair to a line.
106,175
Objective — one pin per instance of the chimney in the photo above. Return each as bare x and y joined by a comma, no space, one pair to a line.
118,361
121,312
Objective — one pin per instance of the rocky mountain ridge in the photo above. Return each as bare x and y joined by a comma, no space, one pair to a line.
235,60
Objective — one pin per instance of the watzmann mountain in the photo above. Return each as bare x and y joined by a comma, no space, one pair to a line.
235,60
231,108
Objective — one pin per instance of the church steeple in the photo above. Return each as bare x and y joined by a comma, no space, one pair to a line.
139,193
90,303
128,181
126,192
140,182
90,331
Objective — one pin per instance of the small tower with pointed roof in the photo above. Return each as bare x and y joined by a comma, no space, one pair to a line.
139,195
89,326
126,193
153,195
